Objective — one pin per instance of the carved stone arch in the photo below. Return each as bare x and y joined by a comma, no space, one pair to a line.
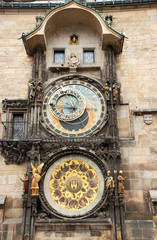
70,13
52,157
56,80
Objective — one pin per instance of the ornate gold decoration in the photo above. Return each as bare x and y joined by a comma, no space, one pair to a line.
73,184
74,38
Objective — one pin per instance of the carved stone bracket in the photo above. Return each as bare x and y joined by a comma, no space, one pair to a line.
14,151
102,213
34,151
34,205
98,148
14,104
20,151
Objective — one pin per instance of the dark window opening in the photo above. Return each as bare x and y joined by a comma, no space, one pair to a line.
88,56
59,56
17,126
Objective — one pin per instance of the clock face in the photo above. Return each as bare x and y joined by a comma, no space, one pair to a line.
73,186
74,109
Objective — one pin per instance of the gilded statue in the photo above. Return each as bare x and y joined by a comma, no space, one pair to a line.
120,181
74,39
25,180
36,176
109,183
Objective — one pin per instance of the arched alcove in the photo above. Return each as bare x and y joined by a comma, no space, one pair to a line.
72,13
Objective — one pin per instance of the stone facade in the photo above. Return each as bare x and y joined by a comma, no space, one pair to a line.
136,71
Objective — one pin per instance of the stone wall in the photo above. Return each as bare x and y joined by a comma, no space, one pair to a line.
99,231
136,71
138,229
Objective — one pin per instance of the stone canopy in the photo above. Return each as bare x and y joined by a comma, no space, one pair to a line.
72,13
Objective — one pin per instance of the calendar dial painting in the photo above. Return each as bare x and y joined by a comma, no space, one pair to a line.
73,185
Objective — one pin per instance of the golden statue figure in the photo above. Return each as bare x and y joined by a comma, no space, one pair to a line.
120,181
109,183
74,39
36,176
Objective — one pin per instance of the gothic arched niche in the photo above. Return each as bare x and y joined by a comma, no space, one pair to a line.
61,39
72,13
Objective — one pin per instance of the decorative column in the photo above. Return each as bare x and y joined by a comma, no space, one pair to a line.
114,158
35,94
113,100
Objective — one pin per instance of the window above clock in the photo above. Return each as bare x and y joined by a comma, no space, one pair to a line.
88,56
59,56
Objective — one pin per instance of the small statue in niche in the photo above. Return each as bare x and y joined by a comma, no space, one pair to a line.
107,91
32,91
73,60
120,181
39,91
74,38
116,88
36,172
25,180
109,183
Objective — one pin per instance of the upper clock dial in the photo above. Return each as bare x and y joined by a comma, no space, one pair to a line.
74,109
67,105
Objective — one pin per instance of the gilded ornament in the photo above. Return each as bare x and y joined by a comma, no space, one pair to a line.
73,184
120,181
36,176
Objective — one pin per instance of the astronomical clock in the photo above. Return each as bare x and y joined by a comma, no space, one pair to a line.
66,130
73,185
73,111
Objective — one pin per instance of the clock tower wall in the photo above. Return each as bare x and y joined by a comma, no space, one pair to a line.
70,126
87,50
